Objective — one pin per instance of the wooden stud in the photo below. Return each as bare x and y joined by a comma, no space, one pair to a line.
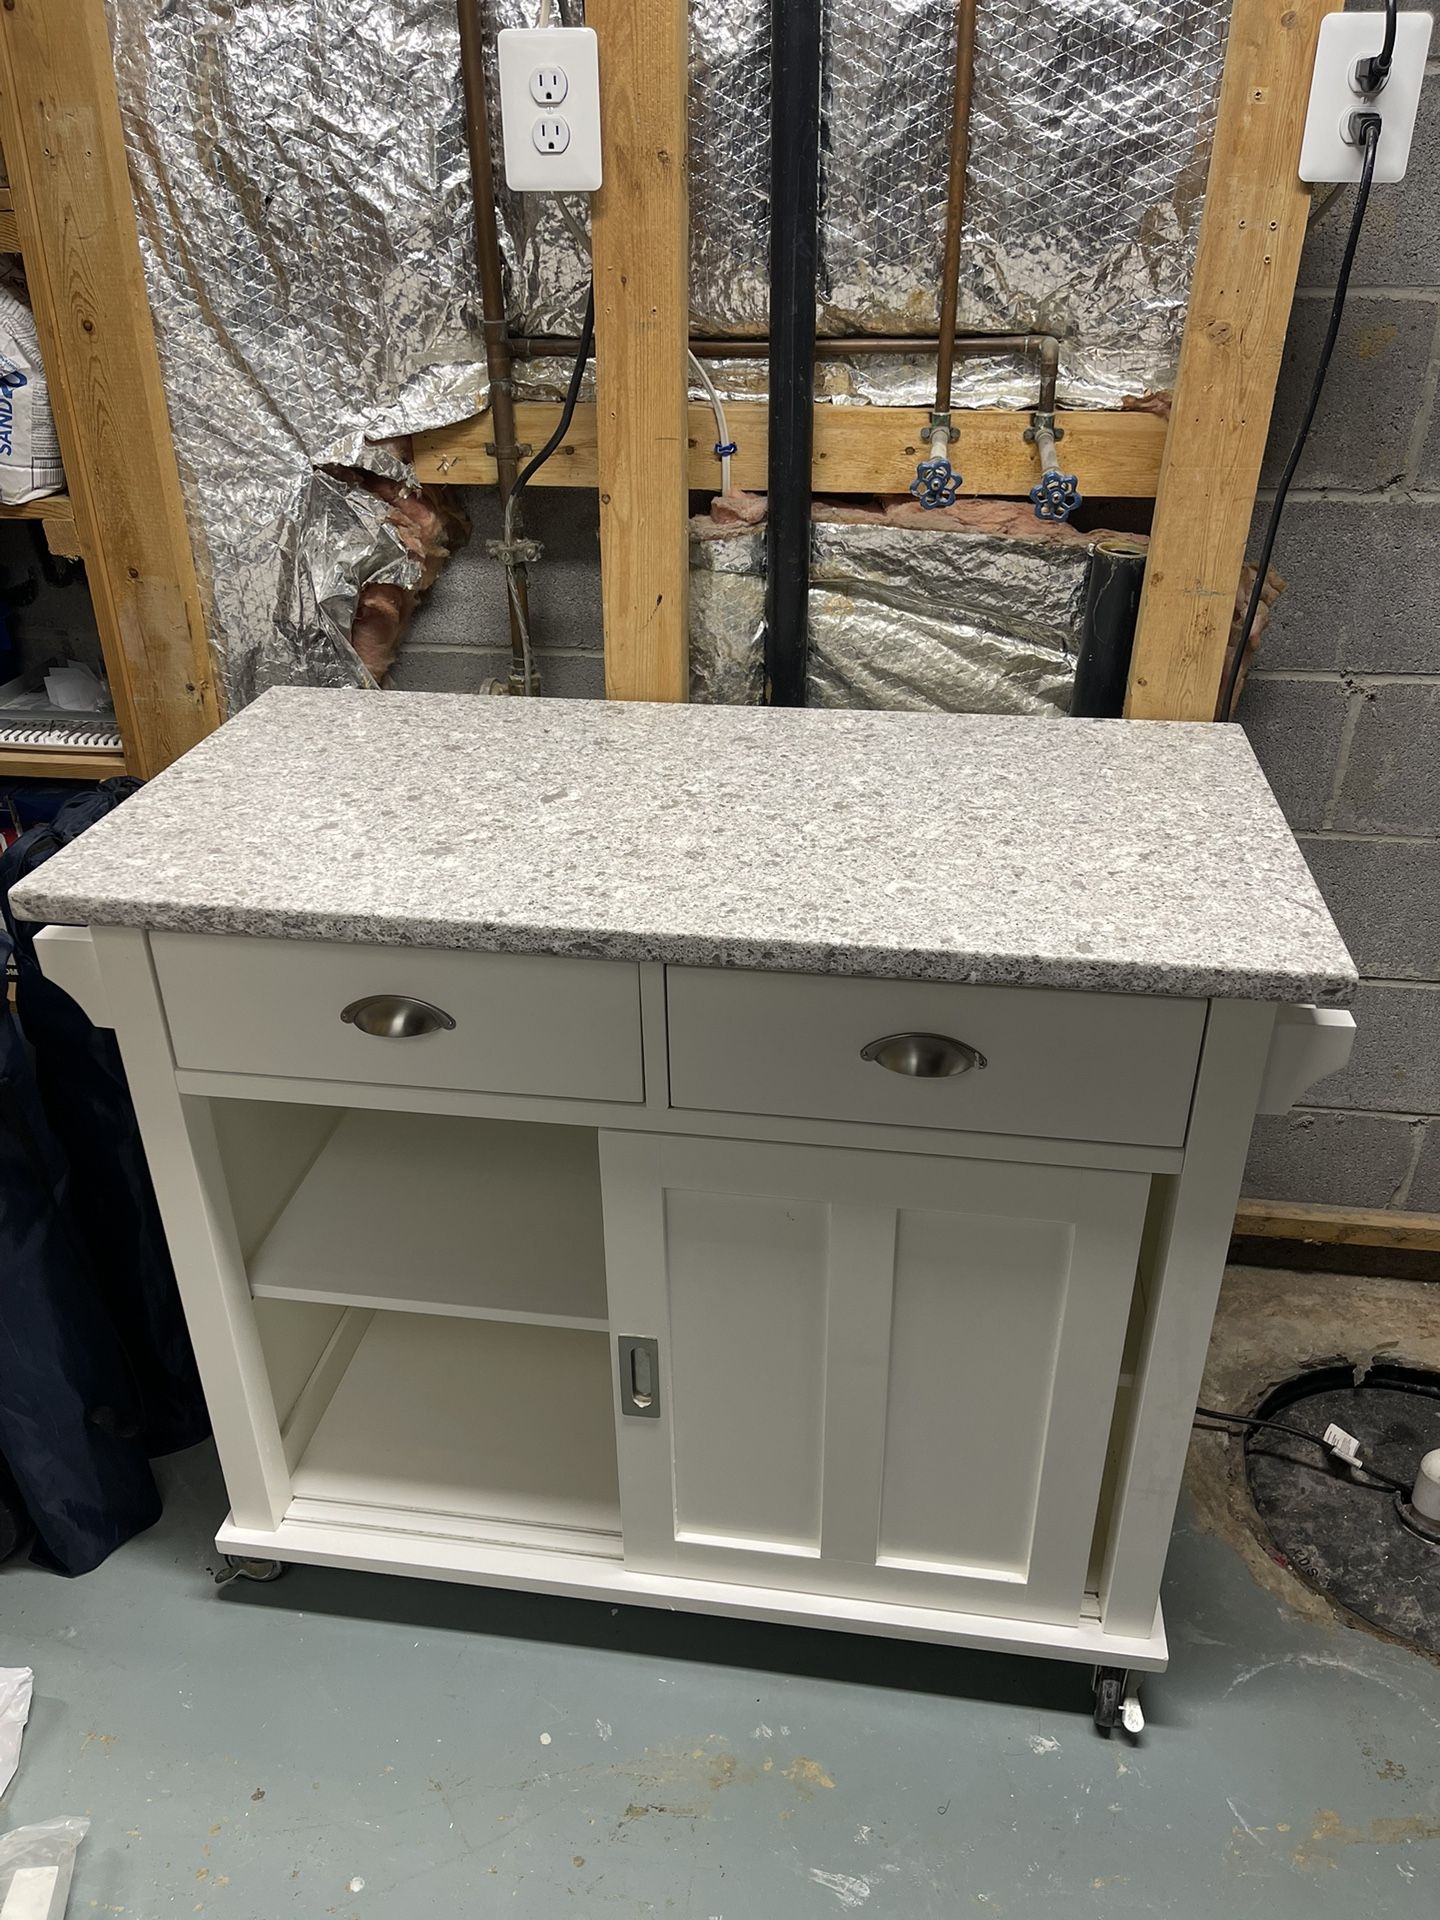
1249,254
640,261
65,148
857,450
1338,1226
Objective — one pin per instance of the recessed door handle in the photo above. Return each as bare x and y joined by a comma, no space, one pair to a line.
924,1056
395,1016
639,1377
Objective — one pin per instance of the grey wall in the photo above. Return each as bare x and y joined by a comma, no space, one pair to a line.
461,636
1344,711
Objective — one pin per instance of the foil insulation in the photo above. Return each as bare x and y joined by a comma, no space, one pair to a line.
303,197
945,621
1090,131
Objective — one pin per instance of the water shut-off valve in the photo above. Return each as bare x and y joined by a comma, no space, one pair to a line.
936,482
1055,495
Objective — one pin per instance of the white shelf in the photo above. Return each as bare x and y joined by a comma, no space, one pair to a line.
425,1213
501,1424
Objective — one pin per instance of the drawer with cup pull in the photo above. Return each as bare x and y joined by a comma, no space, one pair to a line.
1021,1060
403,1016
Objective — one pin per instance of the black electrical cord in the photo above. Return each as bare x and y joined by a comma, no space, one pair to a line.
1367,130
1371,74
572,395
1296,1433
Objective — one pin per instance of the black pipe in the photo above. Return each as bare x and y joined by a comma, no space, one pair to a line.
1112,600
794,252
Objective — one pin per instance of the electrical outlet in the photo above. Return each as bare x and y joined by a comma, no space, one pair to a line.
545,151
1326,154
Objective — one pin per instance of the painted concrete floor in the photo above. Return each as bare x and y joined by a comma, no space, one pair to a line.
345,1745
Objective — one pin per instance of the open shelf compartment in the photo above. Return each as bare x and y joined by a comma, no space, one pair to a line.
427,1213
468,1429
429,1292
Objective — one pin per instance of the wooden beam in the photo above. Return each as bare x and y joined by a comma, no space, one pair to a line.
1338,1226
640,241
65,149
857,450
1251,234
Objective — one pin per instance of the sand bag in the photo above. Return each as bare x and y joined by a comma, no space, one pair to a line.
29,452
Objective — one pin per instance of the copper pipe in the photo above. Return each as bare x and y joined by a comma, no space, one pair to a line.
1045,347
492,307
955,198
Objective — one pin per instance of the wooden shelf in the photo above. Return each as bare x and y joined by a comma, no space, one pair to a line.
424,1213
60,763
54,506
9,231
506,1425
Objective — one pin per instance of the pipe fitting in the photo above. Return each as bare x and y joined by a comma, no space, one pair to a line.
1055,495
936,482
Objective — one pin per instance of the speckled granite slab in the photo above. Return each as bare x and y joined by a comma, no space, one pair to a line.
1140,858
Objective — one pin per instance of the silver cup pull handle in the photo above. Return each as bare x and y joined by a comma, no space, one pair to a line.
395,1016
923,1056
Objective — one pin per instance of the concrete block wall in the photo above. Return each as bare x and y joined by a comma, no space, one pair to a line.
461,637
1344,708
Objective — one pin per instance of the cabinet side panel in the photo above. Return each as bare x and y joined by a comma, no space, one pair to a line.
747,1276
978,1307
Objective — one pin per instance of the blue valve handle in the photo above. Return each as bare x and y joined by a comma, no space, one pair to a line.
1056,495
936,483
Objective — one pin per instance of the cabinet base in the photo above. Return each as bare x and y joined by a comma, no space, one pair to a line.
368,1549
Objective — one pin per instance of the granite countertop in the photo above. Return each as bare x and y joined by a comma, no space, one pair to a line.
1139,858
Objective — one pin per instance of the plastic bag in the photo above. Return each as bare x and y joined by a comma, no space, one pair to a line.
36,1863
16,1686
29,452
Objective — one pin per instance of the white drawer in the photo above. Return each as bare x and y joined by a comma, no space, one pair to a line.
522,1024
1067,1066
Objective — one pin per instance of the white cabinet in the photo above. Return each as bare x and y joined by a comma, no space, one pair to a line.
886,1352
883,1375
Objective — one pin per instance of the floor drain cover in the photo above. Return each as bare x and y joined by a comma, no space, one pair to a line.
1342,1536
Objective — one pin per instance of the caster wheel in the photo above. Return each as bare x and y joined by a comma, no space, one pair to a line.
1109,1692
1117,1701
238,1568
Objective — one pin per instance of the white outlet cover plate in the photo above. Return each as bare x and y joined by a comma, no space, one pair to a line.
523,52
1345,40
